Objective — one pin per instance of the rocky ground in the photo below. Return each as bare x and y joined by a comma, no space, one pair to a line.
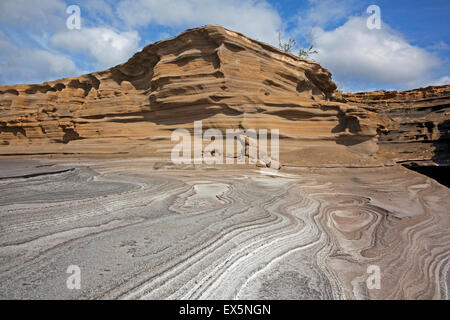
340,210
142,229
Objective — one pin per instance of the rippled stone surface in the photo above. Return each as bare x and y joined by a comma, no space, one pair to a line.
139,229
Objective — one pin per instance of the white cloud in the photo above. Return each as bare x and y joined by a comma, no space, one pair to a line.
382,57
99,13
25,61
106,46
38,15
99,7
445,80
323,12
254,18
31,65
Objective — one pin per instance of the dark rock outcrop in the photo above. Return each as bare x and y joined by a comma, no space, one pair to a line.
417,126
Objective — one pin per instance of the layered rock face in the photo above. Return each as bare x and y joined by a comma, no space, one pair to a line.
140,230
211,74
228,81
417,126
146,228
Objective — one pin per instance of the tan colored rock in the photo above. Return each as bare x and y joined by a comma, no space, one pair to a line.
260,164
417,123
211,74
276,165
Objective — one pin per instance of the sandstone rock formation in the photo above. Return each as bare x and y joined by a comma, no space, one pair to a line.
418,124
228,81
210,74
145,228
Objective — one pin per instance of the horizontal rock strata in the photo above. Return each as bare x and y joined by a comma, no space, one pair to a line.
211,74
417,126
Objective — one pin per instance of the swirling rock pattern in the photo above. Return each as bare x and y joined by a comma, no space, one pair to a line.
139,229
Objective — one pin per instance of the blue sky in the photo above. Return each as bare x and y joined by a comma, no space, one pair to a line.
410,50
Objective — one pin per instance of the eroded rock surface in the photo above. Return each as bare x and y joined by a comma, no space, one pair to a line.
212,74
417,126
144,230
141,228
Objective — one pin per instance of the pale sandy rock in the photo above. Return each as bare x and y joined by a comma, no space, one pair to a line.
211,74
260,164
142,230
228,81
274,165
